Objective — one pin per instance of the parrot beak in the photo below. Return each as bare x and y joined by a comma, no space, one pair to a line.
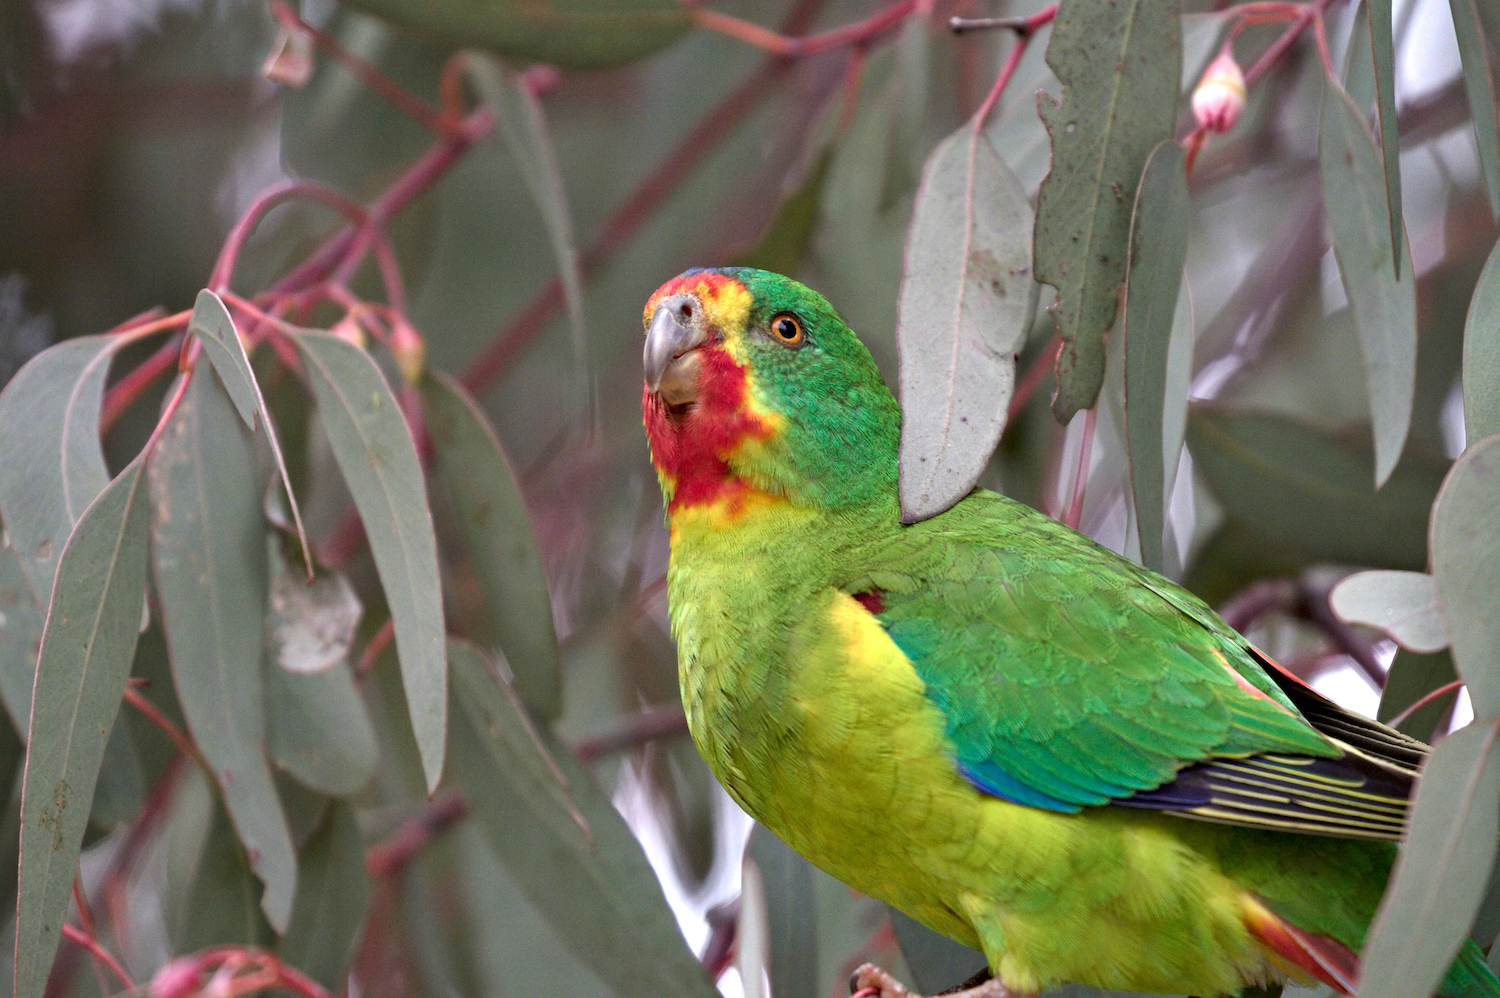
678,328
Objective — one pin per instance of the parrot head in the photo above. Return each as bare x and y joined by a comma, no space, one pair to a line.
754,384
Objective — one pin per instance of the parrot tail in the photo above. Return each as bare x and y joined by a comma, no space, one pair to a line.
1330,961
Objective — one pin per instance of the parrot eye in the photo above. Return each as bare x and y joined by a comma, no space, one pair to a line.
786,328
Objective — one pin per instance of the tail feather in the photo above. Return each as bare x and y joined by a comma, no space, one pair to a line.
1470,976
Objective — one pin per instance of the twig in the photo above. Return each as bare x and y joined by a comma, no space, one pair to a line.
172,731
86,919
652,723
723,925
437,815
394,93
1258,599
858,33
99,953
379,643
1032,379
1320,612
123,393
1423,701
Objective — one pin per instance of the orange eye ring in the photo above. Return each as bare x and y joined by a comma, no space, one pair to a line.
787,328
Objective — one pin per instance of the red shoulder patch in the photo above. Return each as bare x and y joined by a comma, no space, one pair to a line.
1325,958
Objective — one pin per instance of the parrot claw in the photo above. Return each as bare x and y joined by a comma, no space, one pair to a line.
870,981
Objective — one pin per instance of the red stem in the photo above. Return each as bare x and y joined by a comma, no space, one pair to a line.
156,717
1081,475
391,856
394,93
858,33
663,721
379,643
1438,693
1032,379
99,953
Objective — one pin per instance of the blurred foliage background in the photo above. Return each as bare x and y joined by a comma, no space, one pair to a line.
625,140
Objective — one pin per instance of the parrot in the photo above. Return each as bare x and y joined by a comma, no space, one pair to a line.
985,719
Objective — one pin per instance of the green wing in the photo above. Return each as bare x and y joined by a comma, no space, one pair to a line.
1071,677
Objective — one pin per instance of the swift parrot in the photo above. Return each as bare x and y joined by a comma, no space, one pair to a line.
1019,738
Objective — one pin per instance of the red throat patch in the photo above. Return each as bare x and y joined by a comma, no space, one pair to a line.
691,445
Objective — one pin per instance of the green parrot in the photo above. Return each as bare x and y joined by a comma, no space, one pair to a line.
986,719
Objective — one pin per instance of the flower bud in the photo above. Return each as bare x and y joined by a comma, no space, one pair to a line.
407,349
291,58
1220,95
177,979
349,330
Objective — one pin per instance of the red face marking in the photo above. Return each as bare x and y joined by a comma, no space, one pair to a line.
690,448
706,285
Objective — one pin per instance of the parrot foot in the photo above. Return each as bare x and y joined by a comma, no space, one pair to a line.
871,981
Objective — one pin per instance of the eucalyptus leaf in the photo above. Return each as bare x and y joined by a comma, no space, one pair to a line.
214,327
569,850
379,463
1158,249
319,728
752,944
1466,565
524,128
1402,604
1442,872
50,450
209,547
967,299
223,904
311,624
85,657
21,621
573,34
1382,50
1481,363
1311,489
1410,678
497,533
1119,64
1479,82
791,915
1385,307
332,893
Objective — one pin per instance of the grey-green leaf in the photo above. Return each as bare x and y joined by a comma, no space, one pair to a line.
379,463
320,730
1412,677
967,299
1402,604
524,129
1382,49
222,906
1385,308
1466,564
1310,488
791,915
497,534
214,327
50,450
1440,878
569,850
332,894
209,547
1119,64
86,653
1479,82
21,620
1158,249
1481,370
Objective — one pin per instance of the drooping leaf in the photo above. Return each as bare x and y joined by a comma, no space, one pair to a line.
573,34
1479,82
1385,308
966,303
567,847
1466,565
224,905
320,731
332,893
791,915
209,546
1311,489
937,963
1481,364
118,791
1410,678
1441,875
214,327
524,129
1382,49
1359,68
1402,604
1119,64
1158,249
86,652
379,463
50,450
497,534
21,621
311,624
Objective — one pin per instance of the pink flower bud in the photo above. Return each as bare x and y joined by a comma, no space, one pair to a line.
407,349
178,979
349,330
291,58
1220,95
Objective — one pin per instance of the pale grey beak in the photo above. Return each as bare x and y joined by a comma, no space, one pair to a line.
678,326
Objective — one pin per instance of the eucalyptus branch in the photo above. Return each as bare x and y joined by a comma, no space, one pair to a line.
392,856
650,724
857,34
